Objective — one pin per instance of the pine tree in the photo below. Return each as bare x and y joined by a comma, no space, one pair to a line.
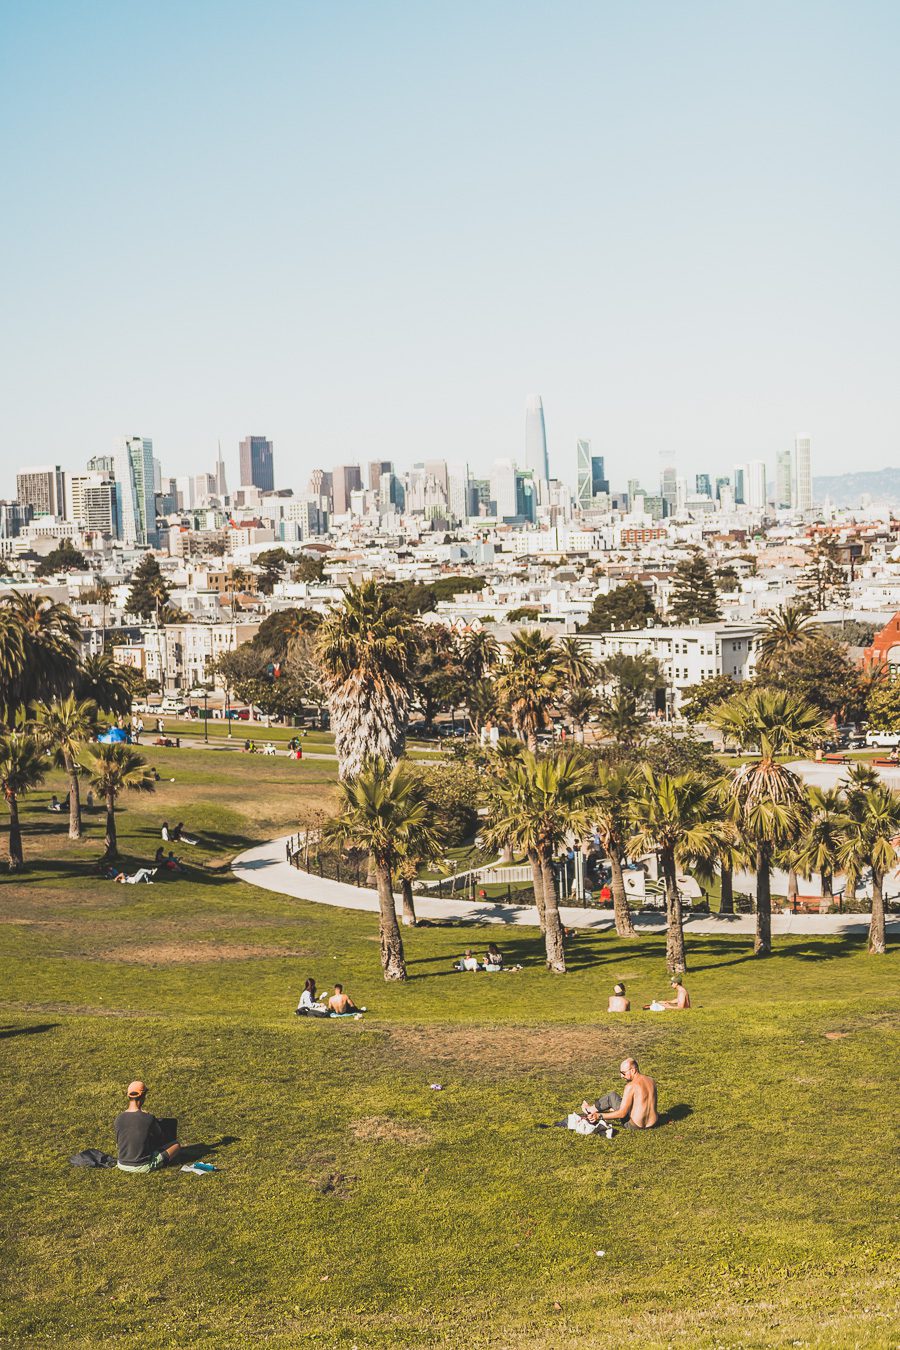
149,592
693,594
823,579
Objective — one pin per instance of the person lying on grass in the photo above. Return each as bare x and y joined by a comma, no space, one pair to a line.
617,1000
681,1000
139,1138
341,1004
468,961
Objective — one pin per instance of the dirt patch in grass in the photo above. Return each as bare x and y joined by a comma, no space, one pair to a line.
382,1128
483,1050
192,953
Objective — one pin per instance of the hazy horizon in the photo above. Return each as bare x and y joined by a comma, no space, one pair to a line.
370,232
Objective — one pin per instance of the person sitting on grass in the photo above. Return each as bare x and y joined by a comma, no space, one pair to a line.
468,961
679,1003
635,1109
617,1000
167,860
179,836
342,1004
139,1138
493,957
165,831
309,1005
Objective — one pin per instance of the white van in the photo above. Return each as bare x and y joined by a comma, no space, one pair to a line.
173,706
885,740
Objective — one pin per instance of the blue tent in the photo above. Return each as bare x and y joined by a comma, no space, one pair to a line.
115,736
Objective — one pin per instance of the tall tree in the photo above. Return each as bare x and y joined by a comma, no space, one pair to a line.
869,840
674,815
149,593
580,705
577,669
21,770
611,808
114,769
365,646
384,809
544,803
823,579
39,651
624,608
787,629
698,699
620,717
64,558
819,846
65,726
103,681
528,683
765,798
693,591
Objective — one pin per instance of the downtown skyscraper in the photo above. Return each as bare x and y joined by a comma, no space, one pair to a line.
135,491
536,460
257,463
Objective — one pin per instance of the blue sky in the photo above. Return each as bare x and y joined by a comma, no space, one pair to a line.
369,231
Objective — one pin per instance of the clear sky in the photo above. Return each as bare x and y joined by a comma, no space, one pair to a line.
370,230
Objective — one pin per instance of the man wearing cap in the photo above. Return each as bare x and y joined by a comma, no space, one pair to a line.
139,1139
618,1001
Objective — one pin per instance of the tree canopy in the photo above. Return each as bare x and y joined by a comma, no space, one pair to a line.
693,593
626,607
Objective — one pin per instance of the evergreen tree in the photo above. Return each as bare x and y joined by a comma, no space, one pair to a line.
693,594
64,558
628,606
823,579
149,593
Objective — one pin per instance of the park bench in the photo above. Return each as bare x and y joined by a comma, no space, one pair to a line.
807,904
836,759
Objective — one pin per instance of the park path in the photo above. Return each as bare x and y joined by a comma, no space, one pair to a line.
266,865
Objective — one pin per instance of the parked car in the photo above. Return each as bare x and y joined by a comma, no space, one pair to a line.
175,707
884,740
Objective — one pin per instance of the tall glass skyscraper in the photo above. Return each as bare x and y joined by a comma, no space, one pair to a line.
257,463
536,461
803,473
136,495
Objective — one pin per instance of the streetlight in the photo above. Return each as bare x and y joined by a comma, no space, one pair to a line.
206,714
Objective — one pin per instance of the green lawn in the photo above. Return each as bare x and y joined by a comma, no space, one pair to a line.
356,1207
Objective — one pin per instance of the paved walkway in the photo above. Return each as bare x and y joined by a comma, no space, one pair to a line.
266,866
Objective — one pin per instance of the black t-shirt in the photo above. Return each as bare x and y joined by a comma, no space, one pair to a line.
138,1137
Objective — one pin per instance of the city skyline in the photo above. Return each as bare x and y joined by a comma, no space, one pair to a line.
581,225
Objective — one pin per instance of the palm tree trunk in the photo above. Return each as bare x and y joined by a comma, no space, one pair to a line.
579,733
726,905
676,960
793,888
531,742
876,926
763,944
16,858
112,845
74,798
624,924
827,891
409,908
553,933
392,959
537,881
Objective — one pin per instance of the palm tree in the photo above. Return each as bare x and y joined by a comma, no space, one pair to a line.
580,705
611,815
528,683
619,717
113,769
65,725
820,844
478,653
574,663
481,702
366,646
48,642
789,627
21,770
675,816
106,683
506,830
544,802
383,809
764,797
12,660
869,839
423,841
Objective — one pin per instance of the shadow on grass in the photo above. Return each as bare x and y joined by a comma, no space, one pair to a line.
194,1152
6,1032
680,1111
791,949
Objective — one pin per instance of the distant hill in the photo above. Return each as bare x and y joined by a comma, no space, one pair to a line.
845,489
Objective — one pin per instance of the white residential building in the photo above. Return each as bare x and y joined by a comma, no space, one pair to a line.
686,654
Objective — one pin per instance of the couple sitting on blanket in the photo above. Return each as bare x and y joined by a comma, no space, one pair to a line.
339,1005
493,959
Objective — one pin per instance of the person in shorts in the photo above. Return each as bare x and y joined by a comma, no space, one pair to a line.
139,1138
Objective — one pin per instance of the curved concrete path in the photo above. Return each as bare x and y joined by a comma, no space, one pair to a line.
266,866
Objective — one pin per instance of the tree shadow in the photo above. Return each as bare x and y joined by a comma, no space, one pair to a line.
6,1032
194,1152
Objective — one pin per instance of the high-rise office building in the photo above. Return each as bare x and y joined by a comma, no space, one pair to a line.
377,467
320,484
43,489
221,482
458,491
723,483
757,493
785,489
105,464
668,489
739,483
92,502
346,479
536,459
803,473
136,495
257,465
703,485
592,481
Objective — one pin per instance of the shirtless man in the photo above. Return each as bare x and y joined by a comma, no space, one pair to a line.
341,1002
682,998
636,1107
617,1000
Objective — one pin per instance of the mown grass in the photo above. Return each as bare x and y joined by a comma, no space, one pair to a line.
355,1205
